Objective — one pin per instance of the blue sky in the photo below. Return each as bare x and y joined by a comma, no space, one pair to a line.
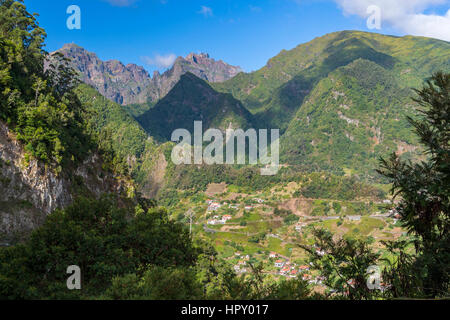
240,32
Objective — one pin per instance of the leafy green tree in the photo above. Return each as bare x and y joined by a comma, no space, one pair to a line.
401,274
344,264
424,186
157,283
106,238
40,106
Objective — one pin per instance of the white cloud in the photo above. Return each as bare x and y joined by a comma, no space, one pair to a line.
254,8
405,15
161,62
121,3
206,11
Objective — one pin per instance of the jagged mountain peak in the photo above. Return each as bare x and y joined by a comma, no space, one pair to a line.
197,55
72,45
207,68
129,84
120,83
198,58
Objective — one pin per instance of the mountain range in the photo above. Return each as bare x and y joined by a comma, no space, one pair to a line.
87,178
340,100
132,84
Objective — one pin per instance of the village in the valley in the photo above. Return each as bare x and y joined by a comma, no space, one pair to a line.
273,228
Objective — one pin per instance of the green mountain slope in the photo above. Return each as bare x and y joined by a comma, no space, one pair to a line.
132,149
108,117
350,119
193,99
275,92
341,100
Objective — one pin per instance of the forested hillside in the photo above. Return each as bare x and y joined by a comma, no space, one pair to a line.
341,102
192,99
49,153
342,99
86,181
351,118
291,75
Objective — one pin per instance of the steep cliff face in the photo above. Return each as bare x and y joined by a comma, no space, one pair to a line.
131,84
30,191
200,65
120,83
210,69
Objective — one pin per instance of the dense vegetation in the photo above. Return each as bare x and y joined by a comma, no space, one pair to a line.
418,267
40,106
341,99
114,131
359,108
131,249
192,99
98,236
249,180
424,188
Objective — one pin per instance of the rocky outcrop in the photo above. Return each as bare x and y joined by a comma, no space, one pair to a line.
30,191
124,84
128,84
209,69
200,65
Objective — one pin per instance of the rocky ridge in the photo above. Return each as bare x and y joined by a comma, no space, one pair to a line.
131,84
31,190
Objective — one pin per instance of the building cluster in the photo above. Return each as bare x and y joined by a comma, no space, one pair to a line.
220,220
241,266
288,269
394,214
213,206
299,226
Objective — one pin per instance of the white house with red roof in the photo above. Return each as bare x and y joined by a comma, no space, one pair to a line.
284,271
279,264
306,277
293,273
226,217
303,268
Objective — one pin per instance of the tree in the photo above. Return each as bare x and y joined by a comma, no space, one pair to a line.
343,264
424,186
106,238
40,106
400,272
